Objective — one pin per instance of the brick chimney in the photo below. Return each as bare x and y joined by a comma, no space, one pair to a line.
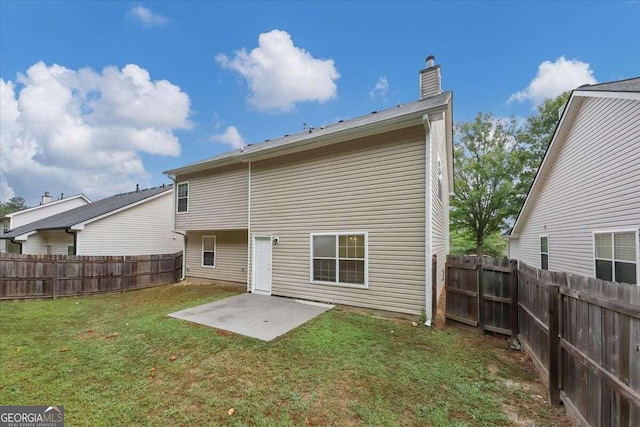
46,198
430,79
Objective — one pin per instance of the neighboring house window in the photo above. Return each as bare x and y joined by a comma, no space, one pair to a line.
71,250
439,178
183,197
49,249
616,256
208,251
339,258
544,252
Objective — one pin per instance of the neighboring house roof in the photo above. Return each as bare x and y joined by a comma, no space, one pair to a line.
46,205
629,85
321,136
89,212
629,88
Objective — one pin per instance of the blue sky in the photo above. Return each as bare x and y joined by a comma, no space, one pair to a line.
99,96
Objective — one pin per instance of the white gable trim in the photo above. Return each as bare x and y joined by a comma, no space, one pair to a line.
57,202
568,114
80,226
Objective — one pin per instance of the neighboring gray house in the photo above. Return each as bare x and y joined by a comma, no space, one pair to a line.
46,208
347,213
582,214
135,223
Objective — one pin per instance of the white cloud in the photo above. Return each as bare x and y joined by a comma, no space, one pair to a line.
279,74
380,90
147,17
231,136
83,131
553,78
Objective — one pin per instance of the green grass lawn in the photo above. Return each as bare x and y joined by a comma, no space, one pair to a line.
108,360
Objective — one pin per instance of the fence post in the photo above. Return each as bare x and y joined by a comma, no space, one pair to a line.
55,277
554,345
514,298
124,274
479,281
434,288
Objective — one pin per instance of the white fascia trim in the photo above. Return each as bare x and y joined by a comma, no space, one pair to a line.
606,94
57,202
569,110
25,236
80,225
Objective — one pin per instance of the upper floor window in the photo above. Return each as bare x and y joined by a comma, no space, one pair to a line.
616,256
544,252
183,197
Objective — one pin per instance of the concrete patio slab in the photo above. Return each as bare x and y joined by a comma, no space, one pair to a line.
256,316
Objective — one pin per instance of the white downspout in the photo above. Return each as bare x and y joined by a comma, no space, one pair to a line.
173,223
249,234
427,223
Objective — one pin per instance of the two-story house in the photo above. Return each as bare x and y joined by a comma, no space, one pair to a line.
350,213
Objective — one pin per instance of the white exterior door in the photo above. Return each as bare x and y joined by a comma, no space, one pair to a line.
262,265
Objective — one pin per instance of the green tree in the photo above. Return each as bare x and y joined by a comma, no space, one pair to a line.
14,204
534,138
487,169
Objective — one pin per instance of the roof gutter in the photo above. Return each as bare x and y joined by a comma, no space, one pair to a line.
316,141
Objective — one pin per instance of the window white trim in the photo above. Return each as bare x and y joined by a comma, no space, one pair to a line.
540,253
612,231
215,250
178,184
337,258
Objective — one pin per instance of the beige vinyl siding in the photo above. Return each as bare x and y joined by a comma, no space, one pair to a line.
217,200
46,210
231,256
439,208
375,185
37,243
592,184
140,230
430,82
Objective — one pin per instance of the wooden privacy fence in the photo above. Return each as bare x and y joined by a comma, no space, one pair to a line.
583,334
51,276
481,292
584,337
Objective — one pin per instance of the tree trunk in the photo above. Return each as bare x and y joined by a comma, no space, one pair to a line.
479,248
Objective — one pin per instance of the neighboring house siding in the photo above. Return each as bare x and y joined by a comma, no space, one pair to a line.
139,230
439,208
374,185
44,211
37,243
217,200
591,185
231,256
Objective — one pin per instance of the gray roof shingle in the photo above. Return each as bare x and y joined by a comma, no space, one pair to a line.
628,85
430,103
86,212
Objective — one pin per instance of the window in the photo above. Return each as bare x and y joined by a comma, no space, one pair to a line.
616,256
49,250
209,251
183,197
544,252
71,250
339,258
